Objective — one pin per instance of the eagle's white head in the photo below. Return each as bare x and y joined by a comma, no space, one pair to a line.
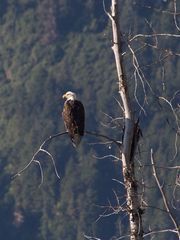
69,96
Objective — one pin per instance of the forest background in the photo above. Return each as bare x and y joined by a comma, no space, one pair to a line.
46,48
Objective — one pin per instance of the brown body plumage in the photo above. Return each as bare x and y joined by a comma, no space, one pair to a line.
74,117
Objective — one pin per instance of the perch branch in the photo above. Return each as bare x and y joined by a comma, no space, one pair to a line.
104,136
41,149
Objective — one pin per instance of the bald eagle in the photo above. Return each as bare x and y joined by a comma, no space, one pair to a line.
74,117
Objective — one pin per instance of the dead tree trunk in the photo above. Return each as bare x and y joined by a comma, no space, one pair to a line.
131,133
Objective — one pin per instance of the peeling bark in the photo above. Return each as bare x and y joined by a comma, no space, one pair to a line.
131,134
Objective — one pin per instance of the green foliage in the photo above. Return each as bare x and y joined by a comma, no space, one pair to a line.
46,48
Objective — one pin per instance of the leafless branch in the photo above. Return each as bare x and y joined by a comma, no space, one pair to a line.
122,237
120,105
108,143
41,171
160,231
160,209
156,40
104,136
157,166
114,121
163,195
107,156
137,73
118,182
106,12
91,238
158,10
176,120
154,35
113,210
42,149
175,15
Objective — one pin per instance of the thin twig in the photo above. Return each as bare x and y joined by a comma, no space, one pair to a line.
150,165
137,72
154,35
104,136
163,195
41,149
100,143
118,181
91,238
176,120
106,12
107,156
175,16
41,172
160,231
122,237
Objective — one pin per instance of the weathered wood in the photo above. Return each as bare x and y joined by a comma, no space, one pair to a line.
130,134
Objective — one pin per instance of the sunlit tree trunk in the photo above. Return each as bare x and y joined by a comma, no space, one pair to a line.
131,132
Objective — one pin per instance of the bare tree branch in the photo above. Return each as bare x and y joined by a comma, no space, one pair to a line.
175,15
157,166
107,156
91,238
41,149
164,196
176,120
154,35
160,231
104,136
